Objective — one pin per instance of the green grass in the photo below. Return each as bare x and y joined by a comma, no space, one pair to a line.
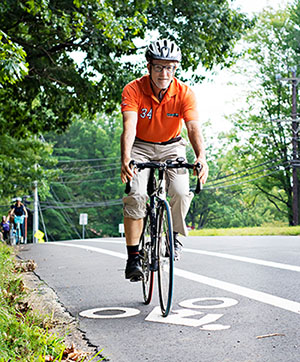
23,336
260,230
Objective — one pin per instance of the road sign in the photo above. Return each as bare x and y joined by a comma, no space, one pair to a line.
83,219
40,236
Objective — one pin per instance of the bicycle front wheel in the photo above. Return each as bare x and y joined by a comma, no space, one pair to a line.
146,255
165,253
18,236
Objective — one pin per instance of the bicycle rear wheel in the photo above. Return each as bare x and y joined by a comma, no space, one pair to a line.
165,253
12,237
145,254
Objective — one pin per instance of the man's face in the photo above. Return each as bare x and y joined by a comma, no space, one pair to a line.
162,72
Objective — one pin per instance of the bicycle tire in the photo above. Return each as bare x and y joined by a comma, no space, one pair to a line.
146,254
12,238
18,235
165,254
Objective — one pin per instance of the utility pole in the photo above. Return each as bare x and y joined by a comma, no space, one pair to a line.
295,130
295,124
35,211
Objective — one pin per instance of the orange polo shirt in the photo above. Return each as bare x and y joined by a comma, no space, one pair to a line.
159,121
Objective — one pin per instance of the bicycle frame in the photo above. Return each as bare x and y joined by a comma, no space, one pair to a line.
18,221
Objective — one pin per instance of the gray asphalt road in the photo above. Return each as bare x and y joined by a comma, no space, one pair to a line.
228,291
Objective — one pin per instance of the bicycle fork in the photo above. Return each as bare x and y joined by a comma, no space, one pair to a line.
153,223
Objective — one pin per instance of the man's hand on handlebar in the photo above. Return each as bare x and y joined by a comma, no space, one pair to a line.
203,174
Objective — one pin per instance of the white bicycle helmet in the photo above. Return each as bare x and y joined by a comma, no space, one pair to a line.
163,49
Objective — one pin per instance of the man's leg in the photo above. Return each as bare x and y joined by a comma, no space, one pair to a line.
135,210
179,191
133,231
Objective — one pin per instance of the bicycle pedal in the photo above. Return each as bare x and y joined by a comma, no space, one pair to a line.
136,279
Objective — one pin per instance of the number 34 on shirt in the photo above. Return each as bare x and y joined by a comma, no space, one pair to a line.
145,113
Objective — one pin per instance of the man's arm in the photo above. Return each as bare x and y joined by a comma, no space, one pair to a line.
127,139
25,211
197,142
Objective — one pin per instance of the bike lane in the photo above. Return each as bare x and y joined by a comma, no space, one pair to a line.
208,322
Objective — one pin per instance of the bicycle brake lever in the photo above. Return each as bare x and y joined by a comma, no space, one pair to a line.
128,187
199,186
128,183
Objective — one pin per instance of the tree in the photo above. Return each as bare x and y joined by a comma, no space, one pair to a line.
89,182
13,66
227,199
57,87
22,162
43,88
261,139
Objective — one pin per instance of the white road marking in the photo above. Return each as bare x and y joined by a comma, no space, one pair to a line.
245,292
120,312
107,241
244,259
102,240
92,248
181,317
225,303
233,288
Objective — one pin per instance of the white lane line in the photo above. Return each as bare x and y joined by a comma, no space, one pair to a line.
92,248
215,254
107,241
266,298
244,259
245,292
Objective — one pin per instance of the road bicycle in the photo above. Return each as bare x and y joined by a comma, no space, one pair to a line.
156,245
15,232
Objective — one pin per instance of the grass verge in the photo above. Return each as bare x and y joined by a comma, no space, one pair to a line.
261,230
23,333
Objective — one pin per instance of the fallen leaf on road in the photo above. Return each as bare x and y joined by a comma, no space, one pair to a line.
270,335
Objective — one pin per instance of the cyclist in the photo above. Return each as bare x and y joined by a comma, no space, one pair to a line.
153,108
4,228
19,209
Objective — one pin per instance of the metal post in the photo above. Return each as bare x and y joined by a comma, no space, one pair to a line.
295,147
82,231
35,212
295,124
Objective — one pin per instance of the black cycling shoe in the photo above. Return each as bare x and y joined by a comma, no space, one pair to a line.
177,247
133,269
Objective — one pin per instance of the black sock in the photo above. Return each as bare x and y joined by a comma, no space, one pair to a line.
132,251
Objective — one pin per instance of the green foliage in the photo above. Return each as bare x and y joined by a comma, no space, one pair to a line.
13,66
102,32
21,335
228,199
21,163
65,59
261,145
263,230
91,186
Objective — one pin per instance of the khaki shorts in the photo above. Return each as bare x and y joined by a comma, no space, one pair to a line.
177,183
